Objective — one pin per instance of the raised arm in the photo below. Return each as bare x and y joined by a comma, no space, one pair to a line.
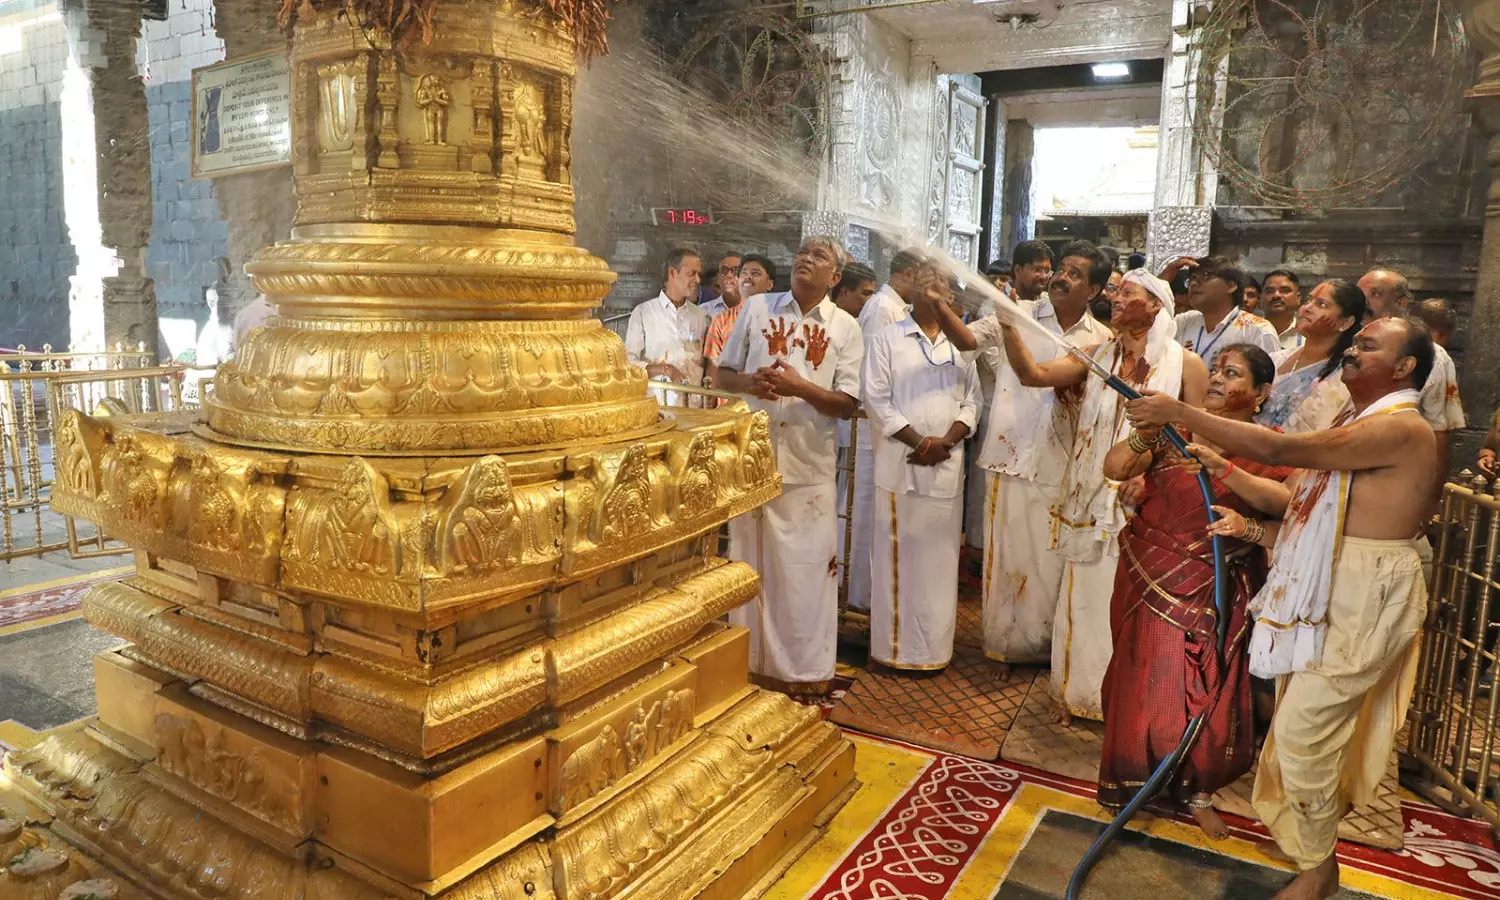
1064,372
1132,456
1374,443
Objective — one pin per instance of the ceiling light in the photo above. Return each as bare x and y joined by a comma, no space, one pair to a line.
1111,71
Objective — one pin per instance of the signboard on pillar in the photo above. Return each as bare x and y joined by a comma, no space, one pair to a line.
242,115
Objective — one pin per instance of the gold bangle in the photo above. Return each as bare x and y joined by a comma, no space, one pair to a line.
1139,444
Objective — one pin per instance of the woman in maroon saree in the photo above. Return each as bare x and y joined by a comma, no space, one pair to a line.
1165,667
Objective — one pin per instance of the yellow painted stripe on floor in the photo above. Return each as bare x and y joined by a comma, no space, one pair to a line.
64,582
992,863
40,623
885,772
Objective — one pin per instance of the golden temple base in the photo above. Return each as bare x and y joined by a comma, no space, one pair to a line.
720,813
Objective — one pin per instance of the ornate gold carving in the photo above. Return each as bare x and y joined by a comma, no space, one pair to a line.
400,533
350,528
205,761
480,529
593,768
339,112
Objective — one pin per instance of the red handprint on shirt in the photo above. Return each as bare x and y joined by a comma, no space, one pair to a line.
817,344
778,336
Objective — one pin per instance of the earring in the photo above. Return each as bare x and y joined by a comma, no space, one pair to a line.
1258,405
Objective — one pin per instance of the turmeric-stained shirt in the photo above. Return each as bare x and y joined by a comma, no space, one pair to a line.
718,331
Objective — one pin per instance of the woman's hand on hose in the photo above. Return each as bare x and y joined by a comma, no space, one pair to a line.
1216,465
1153,410
1230,524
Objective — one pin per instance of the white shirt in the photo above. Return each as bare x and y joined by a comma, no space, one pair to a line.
1239,327
884,308
772,327
1290,339
714,307
659,331
1041,439
913,380
1440,404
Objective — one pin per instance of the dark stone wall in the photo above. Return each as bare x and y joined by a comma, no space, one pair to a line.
36,257
187,233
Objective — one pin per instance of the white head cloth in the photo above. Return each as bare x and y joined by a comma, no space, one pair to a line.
1089,515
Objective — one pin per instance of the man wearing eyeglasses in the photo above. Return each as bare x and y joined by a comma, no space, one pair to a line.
1216,288
924,395
713,296
795,356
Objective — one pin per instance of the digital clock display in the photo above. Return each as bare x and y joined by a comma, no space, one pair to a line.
677,216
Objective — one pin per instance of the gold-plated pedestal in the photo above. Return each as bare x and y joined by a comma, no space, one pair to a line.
427,600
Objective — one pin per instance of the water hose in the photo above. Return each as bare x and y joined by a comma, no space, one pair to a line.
1223,604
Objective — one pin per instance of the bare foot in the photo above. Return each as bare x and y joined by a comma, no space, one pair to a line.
1274,851
1060,714
1002,670
1209,820
1314,884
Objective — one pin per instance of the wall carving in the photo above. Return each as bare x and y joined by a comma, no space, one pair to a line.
600,763
1176,231
204,759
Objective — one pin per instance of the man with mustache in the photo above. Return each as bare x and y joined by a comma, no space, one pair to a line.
1281,295
1027,442
1089,512
796,357
1337,620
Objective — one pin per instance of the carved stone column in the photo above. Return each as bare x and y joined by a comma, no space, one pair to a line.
1186,184
428,601
104,35
1480,389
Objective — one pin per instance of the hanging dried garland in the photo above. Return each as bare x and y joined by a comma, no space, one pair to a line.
412,19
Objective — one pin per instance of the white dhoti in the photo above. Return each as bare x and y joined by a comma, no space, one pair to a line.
861,522
914,579
1022,575
794,620
976,487
1081,641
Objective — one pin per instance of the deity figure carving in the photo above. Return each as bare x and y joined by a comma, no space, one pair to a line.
676,717
214,512
350,527
208,762
433,98
638,736
531,119
130,484
74,470
697,491
482,528
755,451
625,508
592,768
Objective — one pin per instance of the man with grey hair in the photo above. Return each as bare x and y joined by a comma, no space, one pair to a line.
796,357
1388,295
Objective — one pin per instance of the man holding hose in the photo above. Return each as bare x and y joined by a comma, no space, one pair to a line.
1337,620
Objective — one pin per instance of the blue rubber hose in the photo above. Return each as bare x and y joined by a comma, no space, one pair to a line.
1223,604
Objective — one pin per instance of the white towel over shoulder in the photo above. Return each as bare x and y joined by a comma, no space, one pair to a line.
1291,611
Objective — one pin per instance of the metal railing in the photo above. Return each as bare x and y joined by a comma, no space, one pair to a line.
1452,743
34,387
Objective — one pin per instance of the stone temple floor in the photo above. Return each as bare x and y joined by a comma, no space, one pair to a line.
927,823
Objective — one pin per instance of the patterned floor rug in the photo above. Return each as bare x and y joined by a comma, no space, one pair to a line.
932,826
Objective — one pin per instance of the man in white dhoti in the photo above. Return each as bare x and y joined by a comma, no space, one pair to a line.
925,396
884,307
796,357
1025,451
665,334
1089,514
1337,620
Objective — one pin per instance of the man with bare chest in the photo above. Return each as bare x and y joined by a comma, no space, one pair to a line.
1337,620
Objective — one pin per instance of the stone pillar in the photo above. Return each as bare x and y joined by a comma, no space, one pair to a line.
257,206
1481,392
111,284
1186,182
